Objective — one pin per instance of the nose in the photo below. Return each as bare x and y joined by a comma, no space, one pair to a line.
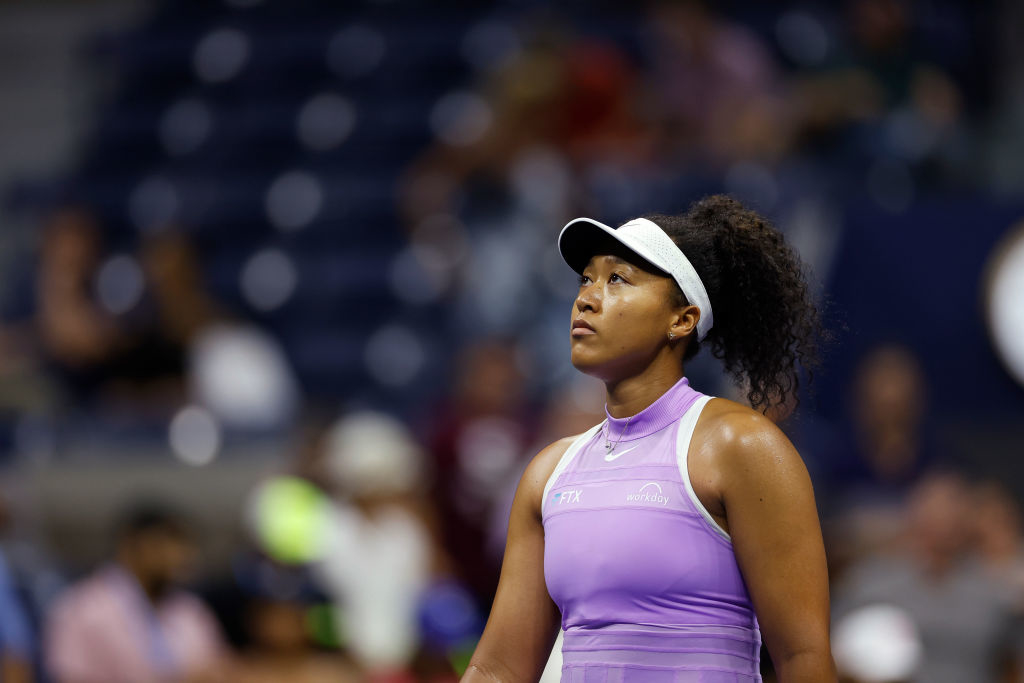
588,298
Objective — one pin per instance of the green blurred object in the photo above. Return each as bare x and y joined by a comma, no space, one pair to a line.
292,517
460,655
322,626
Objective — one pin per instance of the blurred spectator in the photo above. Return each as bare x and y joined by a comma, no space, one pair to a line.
113,331
890,400
173,309
79,339
281,650
130,622
381,553
191,347
572,409
183,305
141,334
601,108
28,582
15,635
557,105
279,646
516,114
874,458
717,86
880,32
89,318
479,440
880,97
887,442
997,535
969,625
508,167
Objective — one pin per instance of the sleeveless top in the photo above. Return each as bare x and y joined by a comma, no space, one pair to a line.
646,580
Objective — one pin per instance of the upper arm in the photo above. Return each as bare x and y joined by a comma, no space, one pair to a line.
773,522
524,621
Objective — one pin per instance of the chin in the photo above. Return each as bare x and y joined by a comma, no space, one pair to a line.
587,364
607,366
580,364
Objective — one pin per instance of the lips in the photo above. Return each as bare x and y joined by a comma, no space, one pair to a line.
581,328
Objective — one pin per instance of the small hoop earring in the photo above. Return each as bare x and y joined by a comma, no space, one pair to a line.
671,336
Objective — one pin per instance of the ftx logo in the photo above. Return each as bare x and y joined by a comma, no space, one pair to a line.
567,496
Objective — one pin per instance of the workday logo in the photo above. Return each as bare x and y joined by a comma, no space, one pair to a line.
648,493
567,496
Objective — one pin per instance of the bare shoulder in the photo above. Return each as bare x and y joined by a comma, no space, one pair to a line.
544,463
731,420
539,470
739,455
735,435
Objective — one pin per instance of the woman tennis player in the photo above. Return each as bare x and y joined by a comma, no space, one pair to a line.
669,538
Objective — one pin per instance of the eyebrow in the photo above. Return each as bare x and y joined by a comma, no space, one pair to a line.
634,266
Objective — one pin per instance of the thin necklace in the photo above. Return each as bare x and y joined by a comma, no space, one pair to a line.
609,447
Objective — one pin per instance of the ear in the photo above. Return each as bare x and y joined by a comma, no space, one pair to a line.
684,321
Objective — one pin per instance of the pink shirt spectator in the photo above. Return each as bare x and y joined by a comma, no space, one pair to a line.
105,630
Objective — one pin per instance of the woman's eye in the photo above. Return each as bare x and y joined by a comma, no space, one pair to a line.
615,277
583,279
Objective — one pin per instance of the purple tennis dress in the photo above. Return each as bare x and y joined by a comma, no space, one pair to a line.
647,582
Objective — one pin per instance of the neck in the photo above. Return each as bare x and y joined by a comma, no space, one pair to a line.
629,396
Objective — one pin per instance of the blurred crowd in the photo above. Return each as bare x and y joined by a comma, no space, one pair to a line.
132,334
407,369
867,102
370,555
373,552
444,211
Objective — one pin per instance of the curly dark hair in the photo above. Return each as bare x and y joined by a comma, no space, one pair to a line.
766,324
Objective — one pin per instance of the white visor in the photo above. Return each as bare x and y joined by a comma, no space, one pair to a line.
646,239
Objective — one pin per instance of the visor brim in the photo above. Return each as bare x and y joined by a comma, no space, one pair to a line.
582,238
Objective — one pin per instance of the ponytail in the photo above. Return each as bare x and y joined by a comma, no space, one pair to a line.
766,323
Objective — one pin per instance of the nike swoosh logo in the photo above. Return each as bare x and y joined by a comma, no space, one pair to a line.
614,456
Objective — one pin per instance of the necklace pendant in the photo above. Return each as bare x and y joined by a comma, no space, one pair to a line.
608,448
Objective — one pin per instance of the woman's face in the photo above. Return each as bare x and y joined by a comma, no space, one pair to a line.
621,317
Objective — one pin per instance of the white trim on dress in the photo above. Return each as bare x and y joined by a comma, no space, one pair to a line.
687,423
